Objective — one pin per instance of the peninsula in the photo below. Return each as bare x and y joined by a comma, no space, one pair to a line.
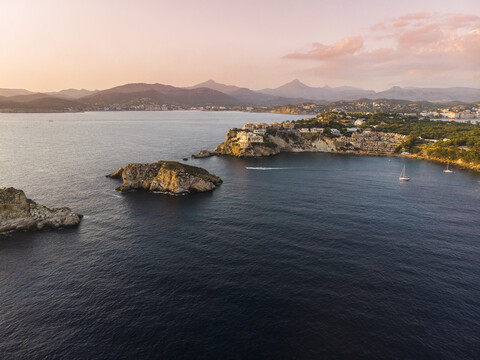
18,213
402,134
168,177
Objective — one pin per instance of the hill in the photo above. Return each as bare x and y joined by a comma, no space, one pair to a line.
159,94
72,93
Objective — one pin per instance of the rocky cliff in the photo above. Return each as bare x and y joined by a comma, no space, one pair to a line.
285,141
165,176
18,213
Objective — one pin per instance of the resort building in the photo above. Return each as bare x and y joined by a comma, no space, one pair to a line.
248,126
246,138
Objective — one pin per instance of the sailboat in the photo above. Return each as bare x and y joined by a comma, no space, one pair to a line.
447,170
403,177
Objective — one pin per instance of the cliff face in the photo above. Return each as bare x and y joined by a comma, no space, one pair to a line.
18,213
165,176
284,141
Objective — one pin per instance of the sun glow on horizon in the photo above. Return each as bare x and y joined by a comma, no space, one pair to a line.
53,45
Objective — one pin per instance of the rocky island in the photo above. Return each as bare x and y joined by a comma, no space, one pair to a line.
168,177
18,213
256,140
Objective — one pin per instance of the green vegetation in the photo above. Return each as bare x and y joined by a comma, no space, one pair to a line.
454,140
446,140
176,166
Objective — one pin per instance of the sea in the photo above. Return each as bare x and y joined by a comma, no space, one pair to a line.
296,256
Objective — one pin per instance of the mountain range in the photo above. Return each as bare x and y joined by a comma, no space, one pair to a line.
216,94
296,88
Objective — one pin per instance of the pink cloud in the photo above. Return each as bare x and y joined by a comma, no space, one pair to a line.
346,46
424,45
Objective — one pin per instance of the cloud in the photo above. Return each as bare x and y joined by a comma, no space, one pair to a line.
347,46
422,47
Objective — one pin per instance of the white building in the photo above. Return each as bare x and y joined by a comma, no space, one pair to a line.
248,126
335,132
359,122
449,114
246,138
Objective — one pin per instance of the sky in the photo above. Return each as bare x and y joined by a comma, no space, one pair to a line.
51,45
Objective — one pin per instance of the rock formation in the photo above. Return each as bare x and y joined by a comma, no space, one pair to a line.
117,174
202,154
165,176
274,144
18,213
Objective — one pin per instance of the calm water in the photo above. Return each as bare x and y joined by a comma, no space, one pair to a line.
323,256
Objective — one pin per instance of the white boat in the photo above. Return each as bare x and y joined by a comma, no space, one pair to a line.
447,170
403,177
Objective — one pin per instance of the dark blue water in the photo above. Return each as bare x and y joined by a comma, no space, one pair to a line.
325,256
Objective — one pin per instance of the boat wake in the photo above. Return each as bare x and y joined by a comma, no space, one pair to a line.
265,168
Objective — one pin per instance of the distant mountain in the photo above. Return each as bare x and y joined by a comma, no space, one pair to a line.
432,94
249,97
39,103
72,93
29,97
130,96
211,84
14,92
296,88
161,94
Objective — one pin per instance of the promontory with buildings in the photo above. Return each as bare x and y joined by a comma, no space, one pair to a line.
368,133
265,140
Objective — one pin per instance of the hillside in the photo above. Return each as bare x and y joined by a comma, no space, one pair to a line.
159,94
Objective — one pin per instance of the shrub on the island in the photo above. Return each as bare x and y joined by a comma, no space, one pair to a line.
270,144
453,154
292,136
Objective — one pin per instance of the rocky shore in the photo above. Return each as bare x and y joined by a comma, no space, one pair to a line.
459,163
18,213
165,176
268,144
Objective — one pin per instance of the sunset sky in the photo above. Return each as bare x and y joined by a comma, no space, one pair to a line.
50,45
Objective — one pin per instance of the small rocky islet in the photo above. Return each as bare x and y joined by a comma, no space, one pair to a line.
19,213
168,177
